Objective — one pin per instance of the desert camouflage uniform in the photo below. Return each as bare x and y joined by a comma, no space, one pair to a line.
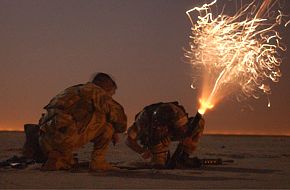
158,142
81,114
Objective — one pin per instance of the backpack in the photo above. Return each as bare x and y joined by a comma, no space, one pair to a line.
74,102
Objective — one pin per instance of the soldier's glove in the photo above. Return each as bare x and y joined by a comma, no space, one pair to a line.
146,155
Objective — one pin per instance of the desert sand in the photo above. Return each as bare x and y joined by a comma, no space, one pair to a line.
259,162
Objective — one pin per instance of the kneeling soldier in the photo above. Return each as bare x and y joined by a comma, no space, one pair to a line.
156,126
81,114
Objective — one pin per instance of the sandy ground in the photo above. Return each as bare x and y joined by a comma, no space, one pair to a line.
260,162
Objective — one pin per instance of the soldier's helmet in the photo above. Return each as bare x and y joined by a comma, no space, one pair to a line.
163,115
105,81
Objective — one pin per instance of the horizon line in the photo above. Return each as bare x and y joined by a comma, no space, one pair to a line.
208,133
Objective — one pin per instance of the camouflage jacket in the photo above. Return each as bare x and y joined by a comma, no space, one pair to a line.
147,135
74,108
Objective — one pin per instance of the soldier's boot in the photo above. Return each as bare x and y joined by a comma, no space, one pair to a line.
59,161
160,155
100,164
189,145
101,145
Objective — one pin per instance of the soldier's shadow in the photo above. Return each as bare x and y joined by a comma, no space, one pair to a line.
153,174
142,172
238,170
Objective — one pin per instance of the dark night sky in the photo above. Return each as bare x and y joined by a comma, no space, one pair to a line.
48,45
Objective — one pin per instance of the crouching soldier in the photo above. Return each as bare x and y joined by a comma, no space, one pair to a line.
156,126
81,114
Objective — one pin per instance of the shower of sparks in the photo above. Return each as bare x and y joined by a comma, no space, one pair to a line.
236,54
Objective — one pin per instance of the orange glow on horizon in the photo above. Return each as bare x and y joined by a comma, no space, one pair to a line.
15,126
12,128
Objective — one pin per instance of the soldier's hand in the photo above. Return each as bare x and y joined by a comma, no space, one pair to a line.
115,139
146,155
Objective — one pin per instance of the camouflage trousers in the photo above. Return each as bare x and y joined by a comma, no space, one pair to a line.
160,152
59,153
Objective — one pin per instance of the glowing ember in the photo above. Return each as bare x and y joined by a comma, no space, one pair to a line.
236,54
204,105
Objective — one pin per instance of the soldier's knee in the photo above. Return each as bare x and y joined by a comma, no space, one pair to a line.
108,132
104,136
159,148
160,155
189,145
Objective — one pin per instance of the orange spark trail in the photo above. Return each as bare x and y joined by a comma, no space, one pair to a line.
235,56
